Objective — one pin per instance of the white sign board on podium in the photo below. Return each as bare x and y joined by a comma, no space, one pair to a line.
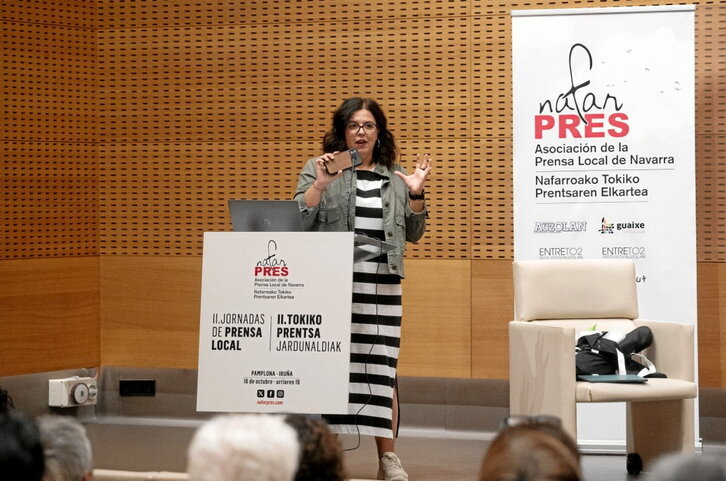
275,322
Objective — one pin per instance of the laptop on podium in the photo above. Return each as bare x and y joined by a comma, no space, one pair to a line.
265,215
284,216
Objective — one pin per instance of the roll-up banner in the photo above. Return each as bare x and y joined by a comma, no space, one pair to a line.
604,155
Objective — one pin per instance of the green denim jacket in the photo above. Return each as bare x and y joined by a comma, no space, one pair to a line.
336,211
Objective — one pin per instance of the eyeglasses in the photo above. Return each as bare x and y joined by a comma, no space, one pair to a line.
520,419
368,127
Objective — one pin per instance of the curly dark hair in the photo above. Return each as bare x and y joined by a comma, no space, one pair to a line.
384,153
320,456
21,451
6,401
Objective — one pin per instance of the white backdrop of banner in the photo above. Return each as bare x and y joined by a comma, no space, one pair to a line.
604,154
274,331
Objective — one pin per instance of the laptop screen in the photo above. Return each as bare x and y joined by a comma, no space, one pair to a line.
265,215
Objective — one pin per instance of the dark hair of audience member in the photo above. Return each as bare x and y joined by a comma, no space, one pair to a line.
21,454
6,401
321,458
532,452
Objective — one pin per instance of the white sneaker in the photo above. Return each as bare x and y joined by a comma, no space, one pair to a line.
390,469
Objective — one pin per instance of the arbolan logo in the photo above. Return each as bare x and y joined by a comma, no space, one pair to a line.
561,226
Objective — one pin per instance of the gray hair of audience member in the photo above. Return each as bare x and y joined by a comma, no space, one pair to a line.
244,447
688,467
68,455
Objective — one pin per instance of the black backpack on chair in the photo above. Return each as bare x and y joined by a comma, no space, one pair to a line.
612,352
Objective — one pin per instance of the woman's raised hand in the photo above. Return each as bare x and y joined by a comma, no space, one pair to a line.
417,179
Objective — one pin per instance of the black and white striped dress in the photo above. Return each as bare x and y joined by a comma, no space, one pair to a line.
376,325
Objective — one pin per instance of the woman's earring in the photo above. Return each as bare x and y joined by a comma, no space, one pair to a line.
378,143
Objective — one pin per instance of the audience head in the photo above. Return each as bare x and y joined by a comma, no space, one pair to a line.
320,456
6,401
66,447
244,447
532,449
21,454
684,467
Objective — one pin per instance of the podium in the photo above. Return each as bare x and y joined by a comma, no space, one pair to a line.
365,247
274,332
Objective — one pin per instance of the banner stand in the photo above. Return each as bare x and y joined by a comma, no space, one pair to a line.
604,155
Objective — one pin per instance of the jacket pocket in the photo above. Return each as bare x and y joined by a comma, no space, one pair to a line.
400,234
329,220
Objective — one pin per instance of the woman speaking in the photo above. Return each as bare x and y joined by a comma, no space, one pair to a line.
379,199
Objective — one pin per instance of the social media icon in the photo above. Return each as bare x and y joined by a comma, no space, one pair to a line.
280,393
260,393
270,393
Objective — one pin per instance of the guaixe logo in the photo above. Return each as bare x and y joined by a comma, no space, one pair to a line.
630,227
272,265
605,227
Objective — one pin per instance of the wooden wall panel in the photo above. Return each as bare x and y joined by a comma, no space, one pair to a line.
192,116
491,211
49,170
169,13
49,199
710,130
77,13
436,319
710,197
49,292
492,307
49,82
503,7
49,314
491,77
282,83
712,324
150,311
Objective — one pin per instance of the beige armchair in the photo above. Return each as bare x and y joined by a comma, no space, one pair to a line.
554,300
